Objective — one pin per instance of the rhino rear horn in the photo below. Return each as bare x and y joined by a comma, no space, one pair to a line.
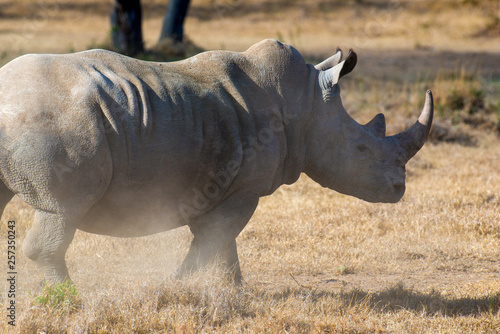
377,125
412,139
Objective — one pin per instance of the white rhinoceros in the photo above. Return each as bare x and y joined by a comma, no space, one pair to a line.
112,145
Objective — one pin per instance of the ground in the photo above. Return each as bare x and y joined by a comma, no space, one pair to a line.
313,260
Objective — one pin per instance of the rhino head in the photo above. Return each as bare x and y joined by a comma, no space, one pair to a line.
354,159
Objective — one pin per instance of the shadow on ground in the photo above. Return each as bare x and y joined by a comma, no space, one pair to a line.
398,298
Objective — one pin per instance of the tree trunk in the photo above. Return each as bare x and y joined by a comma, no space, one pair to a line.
173,22
126,27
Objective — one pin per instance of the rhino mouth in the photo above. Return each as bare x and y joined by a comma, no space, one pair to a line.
389,192
396,185
398,189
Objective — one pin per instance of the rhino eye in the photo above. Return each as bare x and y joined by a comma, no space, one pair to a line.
362,148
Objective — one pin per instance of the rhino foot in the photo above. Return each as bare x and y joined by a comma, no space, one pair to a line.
203,254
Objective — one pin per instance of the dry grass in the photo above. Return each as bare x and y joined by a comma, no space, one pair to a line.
210,305
313,260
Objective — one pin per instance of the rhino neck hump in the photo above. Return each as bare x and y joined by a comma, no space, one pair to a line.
296,119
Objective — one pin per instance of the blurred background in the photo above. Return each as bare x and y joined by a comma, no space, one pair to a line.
315,27
452,46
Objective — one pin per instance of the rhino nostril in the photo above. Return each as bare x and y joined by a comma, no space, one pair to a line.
399,188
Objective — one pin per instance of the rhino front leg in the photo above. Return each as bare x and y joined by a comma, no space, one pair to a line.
204,252
47,242
215,236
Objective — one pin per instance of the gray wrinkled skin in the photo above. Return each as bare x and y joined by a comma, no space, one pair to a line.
112,145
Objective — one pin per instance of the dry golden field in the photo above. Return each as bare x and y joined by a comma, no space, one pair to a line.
314,261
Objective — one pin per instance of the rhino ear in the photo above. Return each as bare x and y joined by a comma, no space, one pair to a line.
328,79
349,63
330,62
377,125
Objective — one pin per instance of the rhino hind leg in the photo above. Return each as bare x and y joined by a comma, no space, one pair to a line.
46,244
5,196
61,180
53,230
215,236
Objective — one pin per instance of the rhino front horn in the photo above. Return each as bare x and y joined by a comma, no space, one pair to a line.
412,139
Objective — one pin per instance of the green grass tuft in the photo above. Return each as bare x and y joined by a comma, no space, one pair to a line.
60,297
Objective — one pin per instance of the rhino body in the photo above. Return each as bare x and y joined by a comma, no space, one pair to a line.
108,144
